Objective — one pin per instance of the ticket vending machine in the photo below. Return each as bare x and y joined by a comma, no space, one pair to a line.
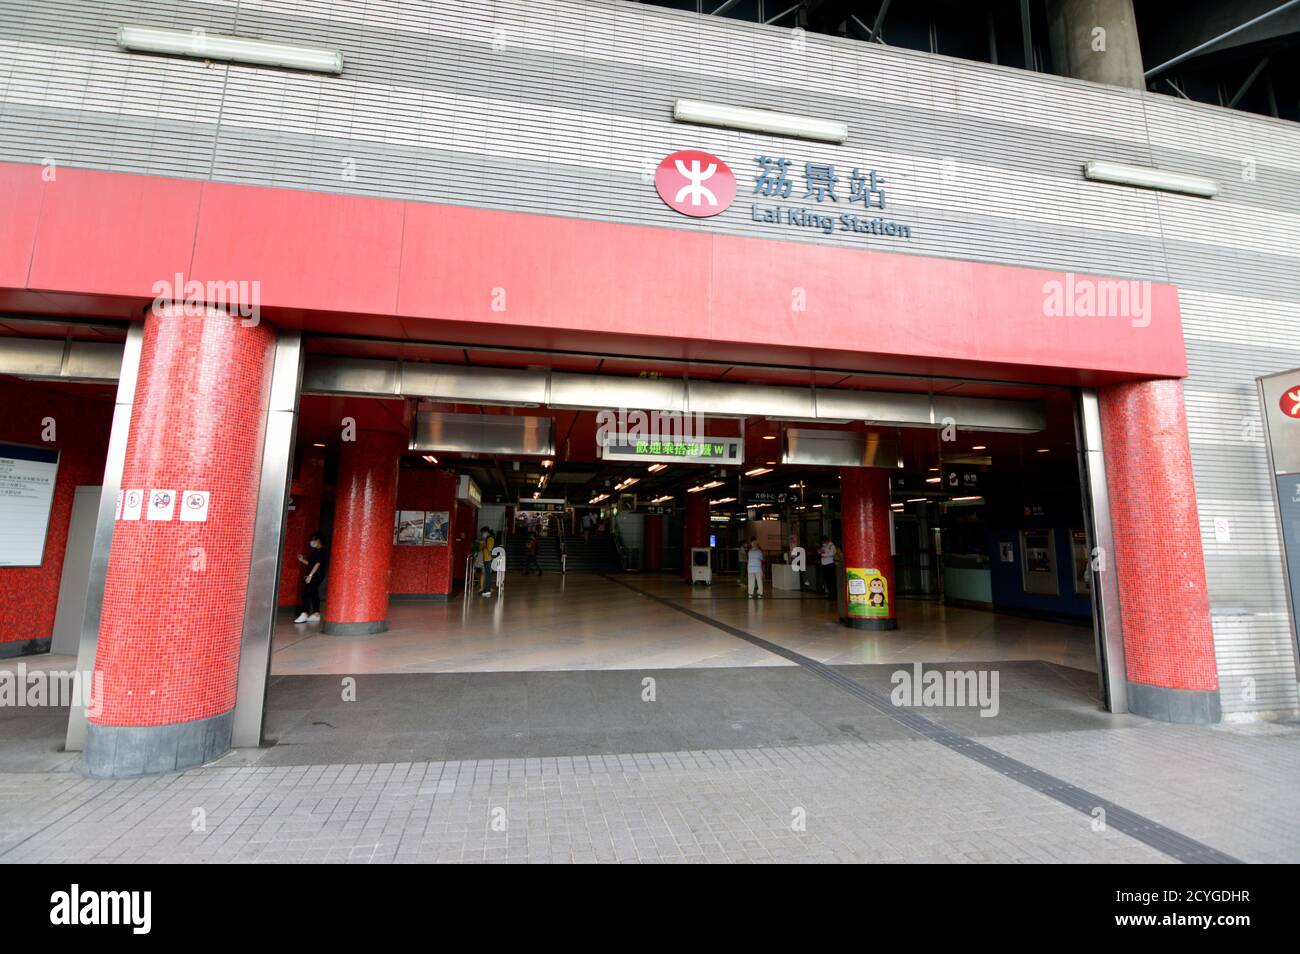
701,565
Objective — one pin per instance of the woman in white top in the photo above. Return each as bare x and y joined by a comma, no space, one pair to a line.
498,566
754,565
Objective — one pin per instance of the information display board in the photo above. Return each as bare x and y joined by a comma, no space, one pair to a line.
1288,504
1280,402
705,450
542,505
27,476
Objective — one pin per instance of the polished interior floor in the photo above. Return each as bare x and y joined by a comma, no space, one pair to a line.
587,622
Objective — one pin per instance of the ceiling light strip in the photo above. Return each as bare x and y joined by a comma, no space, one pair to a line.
1145,177
202,45
747,119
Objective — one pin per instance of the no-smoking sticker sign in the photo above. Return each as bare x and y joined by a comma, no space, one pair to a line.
194,505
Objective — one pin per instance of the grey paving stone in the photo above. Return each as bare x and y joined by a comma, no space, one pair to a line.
717,773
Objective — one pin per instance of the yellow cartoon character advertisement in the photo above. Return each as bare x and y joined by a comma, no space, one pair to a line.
868,593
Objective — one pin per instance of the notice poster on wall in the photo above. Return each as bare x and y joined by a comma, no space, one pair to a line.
27,476
422,528
410,527
436,525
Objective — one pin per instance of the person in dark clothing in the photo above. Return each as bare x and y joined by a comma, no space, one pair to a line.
829,571
317,563
530,560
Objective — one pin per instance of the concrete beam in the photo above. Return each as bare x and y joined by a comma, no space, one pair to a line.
1096,40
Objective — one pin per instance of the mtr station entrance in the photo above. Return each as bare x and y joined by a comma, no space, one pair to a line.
901,520
997,482
601,486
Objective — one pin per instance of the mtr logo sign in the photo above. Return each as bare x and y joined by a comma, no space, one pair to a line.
695,183
1290,402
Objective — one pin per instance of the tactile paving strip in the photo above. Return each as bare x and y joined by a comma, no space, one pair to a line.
1172,843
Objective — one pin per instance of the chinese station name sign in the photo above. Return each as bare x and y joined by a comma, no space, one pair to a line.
823,197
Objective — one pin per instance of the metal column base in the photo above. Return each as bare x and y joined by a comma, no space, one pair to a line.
125,751
354,629
1184,706
871,623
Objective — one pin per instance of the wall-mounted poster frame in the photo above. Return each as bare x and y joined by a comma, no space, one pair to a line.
421,528
437,527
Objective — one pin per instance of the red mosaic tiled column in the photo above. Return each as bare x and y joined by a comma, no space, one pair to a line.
1158,561
868,596
653,542
356,583
695,528
173,611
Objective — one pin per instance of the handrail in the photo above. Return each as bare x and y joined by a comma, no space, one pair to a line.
617,536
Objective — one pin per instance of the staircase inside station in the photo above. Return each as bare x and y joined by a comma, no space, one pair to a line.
595,555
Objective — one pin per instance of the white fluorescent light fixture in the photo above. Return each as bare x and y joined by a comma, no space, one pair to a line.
203,45
709,486
759,120
1144,177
